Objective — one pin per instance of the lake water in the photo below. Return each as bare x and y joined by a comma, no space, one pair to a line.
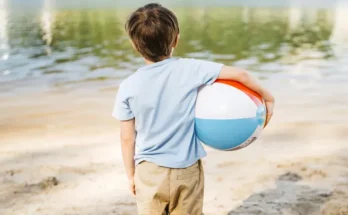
54,45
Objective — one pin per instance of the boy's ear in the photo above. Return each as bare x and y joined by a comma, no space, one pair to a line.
133,45
176,41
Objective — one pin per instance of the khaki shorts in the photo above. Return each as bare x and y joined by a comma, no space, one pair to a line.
161,190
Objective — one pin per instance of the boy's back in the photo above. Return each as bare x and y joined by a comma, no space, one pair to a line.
161,97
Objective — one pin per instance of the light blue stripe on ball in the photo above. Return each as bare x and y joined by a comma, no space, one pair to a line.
225,134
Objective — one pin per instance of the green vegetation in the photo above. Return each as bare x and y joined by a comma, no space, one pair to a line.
223,34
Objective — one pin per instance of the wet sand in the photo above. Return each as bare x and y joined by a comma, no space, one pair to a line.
60,154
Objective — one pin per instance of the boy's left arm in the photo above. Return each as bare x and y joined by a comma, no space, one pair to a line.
128,134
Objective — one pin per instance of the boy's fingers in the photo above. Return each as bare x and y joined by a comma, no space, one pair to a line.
269,112
268,118
132,189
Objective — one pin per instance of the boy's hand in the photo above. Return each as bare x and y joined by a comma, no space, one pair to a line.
128,150
269,107
242,76
132,186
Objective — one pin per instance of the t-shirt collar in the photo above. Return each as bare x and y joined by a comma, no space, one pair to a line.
159,63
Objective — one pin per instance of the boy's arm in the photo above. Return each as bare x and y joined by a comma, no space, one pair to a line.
242,76
128,149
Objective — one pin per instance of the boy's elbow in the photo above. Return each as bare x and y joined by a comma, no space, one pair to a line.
243,76
235,74
127,139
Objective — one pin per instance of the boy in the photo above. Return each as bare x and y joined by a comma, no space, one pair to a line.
156,109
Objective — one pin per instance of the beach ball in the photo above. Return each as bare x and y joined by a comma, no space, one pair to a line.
228,115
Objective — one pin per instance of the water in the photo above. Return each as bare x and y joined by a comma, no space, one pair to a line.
57,44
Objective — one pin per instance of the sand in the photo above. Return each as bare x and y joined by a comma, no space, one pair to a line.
60,155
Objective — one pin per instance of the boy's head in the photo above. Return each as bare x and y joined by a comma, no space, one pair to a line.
154,31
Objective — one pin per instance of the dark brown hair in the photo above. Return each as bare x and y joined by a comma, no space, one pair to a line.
153,30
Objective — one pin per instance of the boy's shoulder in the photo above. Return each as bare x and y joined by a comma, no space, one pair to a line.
194,62
188,60
132,80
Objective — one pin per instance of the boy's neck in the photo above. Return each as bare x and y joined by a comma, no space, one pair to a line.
148,62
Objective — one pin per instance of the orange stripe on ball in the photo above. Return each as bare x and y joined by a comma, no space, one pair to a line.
252,94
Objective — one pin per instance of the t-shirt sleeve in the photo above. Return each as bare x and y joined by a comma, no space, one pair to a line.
122,110
207,71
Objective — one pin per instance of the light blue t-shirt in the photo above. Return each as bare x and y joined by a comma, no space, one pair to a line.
161,97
